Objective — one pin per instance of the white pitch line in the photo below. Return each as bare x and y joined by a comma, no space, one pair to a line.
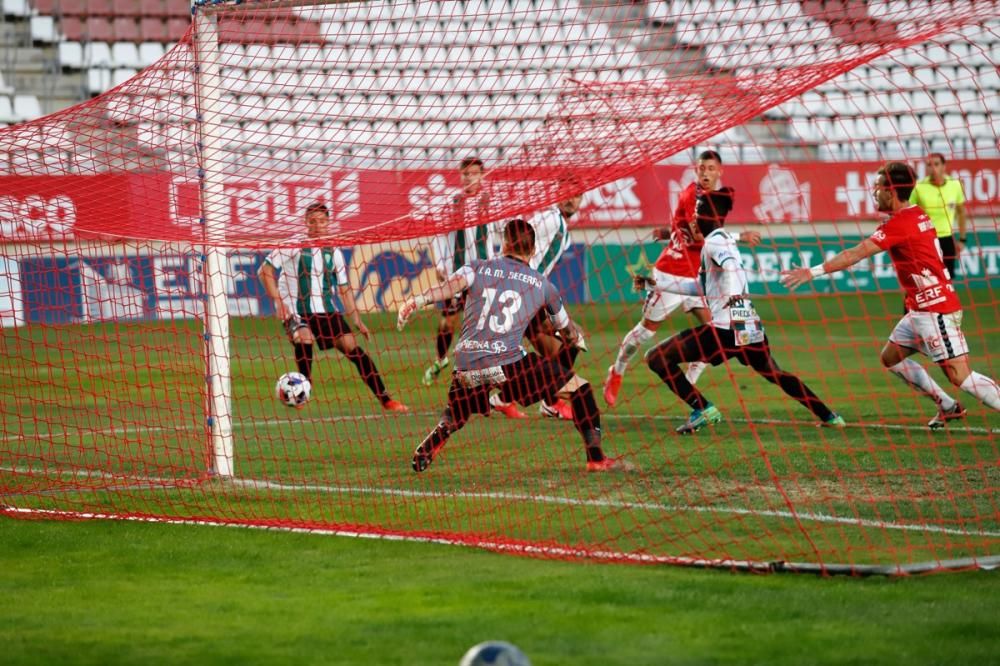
275,423
518,497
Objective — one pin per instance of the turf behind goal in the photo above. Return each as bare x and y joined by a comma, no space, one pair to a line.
141,350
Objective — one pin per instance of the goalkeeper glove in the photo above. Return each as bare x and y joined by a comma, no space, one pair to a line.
409,307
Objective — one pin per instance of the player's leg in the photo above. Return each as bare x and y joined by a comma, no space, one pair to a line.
541,335
304,346
905,340
338,335
447,326
759,358
704,316
462,403
655,309
665,359
951,352
982,387
534,378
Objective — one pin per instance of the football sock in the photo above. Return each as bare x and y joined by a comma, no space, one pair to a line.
984,388
630,345
587,419
671,374
694,371
916,376
304,359
443,342
366,368
793,387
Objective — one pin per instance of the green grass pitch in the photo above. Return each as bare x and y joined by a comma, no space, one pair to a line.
114,423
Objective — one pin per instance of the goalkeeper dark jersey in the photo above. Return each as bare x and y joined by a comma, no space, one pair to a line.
504,294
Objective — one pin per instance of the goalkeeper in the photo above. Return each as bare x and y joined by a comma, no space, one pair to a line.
504,295
303,295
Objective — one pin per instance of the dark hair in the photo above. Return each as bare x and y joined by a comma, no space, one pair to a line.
900,177
519,237
317,206
470,161
939,156
710,155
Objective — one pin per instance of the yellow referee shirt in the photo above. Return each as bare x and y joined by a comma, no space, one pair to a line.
939,202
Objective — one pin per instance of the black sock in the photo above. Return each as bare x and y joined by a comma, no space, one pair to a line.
443,342
670,372
366,368
587,419
304,359
796,388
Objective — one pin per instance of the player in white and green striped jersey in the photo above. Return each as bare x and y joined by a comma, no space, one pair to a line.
301,282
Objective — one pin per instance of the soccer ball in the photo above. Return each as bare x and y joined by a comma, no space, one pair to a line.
494,653
293,389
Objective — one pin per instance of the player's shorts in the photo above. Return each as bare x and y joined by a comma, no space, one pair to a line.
453,305
327,328
713,345
937,336
528,380
660,304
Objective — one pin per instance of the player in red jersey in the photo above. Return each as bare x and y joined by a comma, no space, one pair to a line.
680,258
932,324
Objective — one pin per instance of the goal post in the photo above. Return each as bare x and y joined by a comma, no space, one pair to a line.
205,37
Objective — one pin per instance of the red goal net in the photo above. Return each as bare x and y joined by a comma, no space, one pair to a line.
140,230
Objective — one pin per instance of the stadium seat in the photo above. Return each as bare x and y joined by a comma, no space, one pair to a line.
149,53
98,29
178,9
43,29
16,8
125,55
176,28
125,29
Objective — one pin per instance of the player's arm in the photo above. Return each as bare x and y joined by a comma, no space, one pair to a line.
269,279
441,248
751,238
799,276
458,282
566,329
962,223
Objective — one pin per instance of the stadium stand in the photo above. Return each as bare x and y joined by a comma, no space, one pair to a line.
419,52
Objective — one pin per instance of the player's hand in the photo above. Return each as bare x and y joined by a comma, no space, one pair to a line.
409,307
363,330
642,282
751,238
959,246
796,277
661,234
281,311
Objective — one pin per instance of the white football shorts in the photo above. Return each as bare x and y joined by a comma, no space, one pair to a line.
938,336
660,304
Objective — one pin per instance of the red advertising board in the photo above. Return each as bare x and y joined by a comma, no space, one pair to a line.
376,205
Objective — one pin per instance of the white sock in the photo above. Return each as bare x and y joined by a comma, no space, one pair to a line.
630,345
984,388
496,401
694,371
914,374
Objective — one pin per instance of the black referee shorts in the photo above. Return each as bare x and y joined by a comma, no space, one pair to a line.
528,380
327,328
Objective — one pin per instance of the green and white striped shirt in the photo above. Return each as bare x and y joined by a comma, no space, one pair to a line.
551,239
308,277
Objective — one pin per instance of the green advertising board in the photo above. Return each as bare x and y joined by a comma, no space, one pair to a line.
610,267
